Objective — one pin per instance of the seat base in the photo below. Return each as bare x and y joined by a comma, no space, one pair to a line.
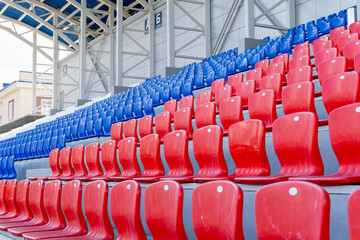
177,179
146,179
54,234
329,180
120,178
208,179
260,180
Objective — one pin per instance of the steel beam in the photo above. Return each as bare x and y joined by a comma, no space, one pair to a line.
170,30
82,43
119,43
55,103
291,13
249,19
207,28
34,77
111,49
152,38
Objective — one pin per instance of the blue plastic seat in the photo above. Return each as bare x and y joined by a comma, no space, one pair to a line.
54,143
75,132
81,129
273,50
323,25
33,148
10,168
242,64
22,151
176,93
46,146
286,47
61,142
106,122
40,149
187,89
67,132
199,81
138,109
119,114
4,172
128,111
165,95
99,128
90,129
28,150
148,107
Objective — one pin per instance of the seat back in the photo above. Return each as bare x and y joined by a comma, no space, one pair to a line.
299,61
217,84
325,55
96,210
335,31
340,90
163,124
109,160
299,98
230,112
247,141
203,97
208,152
93,160
71,206
164,210
331,67
245,89
3,206
274,82
235,80
262,106
187,101
36,201
78,162
222,93
127,157
344,40
295,139
301,52
22,199
324,45
52,202
263,65
171,107
282,58
207,220
350,51
301,46
338,36
177,154
130,129
116,131
145,126
150,156
205,114
256,75
320,40
55,163
300,74
65,162
292,209
278,67
183,121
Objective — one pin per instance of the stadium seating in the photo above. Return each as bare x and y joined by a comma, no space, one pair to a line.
205,115
230,112
262,106
163,124
145,126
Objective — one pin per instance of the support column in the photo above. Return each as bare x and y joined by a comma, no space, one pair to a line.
34,73
357,10
290,10
55,66
249,19
111,49
170,28
119,43
82,43
152,38
207,26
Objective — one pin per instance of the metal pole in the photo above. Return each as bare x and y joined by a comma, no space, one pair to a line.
290,6
82,43
207,24
357,10
119,43
34,78
55,65
152,38
111,49
249,19
170,28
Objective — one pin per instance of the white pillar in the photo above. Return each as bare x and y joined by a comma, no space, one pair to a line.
290,10
111,49
55,65
170,28
152,38
82,42
34,73
207,25
119,43
249,19
357,10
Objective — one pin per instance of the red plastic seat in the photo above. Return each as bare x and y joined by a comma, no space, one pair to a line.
272,81
205,115
320,40
22,204
65,163
217,84
299,61
130,129
162,124
222,93
301,52
126,213
54,166
278,67
235,80
145,126
262,106
203,97
245,89
335,31
52,202
208,152
187,101
128,160
343,41
282,58
210,221
263,65
301,46
353,26
71,206
325,55
177,157
338,35
324,45
151,159
171,107
10,200
92,162
247,141
340,90
109,161
256,75
78,162
292,210
116,132
353,209
331,67
183,121
230,112
164,210
350,51
96,211
299,98
357,63
3,207
36,201
295,139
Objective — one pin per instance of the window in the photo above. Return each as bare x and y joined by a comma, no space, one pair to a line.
11,109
